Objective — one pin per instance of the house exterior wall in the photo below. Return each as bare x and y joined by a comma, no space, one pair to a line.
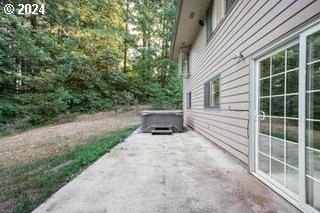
250,27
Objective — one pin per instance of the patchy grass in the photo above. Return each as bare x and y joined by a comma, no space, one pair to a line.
51,140
24,187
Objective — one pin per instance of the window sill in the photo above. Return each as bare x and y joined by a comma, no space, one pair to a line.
212,108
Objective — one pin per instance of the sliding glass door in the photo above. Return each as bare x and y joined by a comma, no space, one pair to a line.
313,120
288,126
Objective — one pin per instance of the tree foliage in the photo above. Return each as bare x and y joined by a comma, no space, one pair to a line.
86,56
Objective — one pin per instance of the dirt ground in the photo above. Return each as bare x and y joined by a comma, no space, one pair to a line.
50,140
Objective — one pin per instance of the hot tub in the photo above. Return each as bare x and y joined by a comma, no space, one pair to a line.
161,121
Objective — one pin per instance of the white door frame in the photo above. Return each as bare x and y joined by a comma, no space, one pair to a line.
300,36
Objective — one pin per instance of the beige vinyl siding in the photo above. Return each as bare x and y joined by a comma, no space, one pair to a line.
249,28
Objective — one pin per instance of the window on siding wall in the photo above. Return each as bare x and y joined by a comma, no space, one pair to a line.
209,19
189,100
228,5
214,15
212,93
184,63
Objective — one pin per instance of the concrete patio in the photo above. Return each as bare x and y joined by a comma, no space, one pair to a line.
163,173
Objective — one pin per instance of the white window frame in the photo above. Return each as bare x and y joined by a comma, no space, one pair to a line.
189,100
184,68
210,104
300,36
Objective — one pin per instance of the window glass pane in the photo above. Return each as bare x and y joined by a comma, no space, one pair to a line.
312,127
292,106
277,171
207,94
313,163
189,100
277,85
313,105
313,134
293,82
215,92
264,144
292,130
216,84
313,47
265,87
278,63
264,163
264,126
313,193
292,154
229,4
313,77
212,93
185,63
209,20
293,57
265,68
265,105
277,127
292,179
277,106
277,149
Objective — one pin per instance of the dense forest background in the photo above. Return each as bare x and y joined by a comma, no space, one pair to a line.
86,56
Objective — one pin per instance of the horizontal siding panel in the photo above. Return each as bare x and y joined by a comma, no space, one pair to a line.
221,113
237,90
243,157
240,81
223,119
235,106
228,135
236,98
240,130
215,131
237,73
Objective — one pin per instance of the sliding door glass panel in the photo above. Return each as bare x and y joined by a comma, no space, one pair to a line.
313,76
313,105
265,105
265,126
313,47
292,81
278,130
277,149
292,154
292,104
265,87
292,178
278,84
313,121
277,171
264,144
264,163
292,130
293,57
313,192
265,68
278,63
277,106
